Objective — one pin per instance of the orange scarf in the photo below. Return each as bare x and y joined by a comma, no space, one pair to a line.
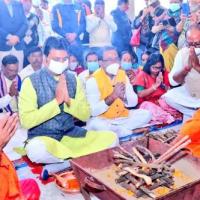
9,186
105,86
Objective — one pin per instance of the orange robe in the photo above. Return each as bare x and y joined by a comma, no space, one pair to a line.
9,184
192,129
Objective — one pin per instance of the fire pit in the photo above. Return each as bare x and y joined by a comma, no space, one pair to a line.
97,174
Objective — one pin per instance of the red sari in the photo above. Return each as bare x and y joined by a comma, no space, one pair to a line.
145,80
161,112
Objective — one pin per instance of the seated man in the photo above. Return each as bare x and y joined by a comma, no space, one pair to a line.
10,187
49,99
92,64
185,72
10,84
35,58
110,93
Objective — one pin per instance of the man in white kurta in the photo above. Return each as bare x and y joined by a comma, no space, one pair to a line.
184,72
110,99
35,58
92,63
100,26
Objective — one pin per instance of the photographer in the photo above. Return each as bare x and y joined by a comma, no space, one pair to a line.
167,34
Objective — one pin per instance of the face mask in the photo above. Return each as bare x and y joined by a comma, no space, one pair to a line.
58,67
113,69
126,65
174,7
92,66
73,65
197,50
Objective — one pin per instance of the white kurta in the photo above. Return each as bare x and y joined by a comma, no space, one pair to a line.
179,98
100,30
7,99
122,126
27,71
84,76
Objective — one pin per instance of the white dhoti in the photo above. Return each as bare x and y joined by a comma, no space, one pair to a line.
47,150
180,99
121,126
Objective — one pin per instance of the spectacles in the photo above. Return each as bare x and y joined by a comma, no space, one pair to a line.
111,60
155,67
193,44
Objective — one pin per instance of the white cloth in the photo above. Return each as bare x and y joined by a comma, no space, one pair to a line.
100,30
122,126
99,106
83,76
179,98
7,99
37,152
27,71
18,140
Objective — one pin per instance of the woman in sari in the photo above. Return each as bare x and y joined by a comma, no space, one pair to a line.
150,84
129,65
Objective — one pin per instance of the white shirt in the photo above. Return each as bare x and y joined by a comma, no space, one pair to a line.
7,99
181,60
27,71
83,76
100,30
99,106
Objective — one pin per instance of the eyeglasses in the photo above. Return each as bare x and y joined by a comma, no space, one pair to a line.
156,67
193,44
111,60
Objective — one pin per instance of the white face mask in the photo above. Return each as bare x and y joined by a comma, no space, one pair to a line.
58,67
113,69
197,50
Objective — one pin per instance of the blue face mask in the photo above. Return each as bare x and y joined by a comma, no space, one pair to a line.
92,66
126,65
174,7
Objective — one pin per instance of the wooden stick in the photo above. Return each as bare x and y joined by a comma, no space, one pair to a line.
172,149
139,155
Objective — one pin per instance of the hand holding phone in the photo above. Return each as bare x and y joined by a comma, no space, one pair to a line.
186,9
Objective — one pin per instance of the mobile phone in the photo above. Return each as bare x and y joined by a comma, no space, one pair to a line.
186,9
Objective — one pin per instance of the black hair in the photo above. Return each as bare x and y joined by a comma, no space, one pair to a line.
108,48
33,50
159,11
9,59
89,54
55,43
120,2
132,54
148,52
152,60
99,2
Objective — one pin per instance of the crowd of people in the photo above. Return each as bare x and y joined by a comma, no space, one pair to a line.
79,83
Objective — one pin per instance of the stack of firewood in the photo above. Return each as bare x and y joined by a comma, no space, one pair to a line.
165,137
141,171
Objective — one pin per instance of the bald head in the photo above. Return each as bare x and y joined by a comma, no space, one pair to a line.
193,35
